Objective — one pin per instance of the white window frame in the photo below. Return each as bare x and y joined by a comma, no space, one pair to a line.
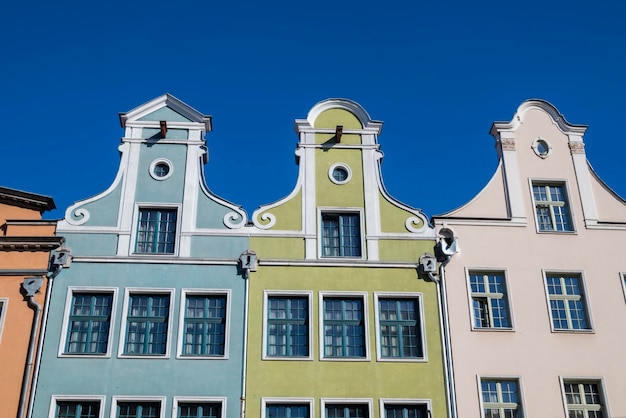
340,165
552,182
4,303
181,322
66,317
584,296
520,395
321,210
622,278
157,206
123,333
382,402
116,399
589,380
288,401
355,401
286,293
506,296
165,161
366,343
54,399
183,399
422,328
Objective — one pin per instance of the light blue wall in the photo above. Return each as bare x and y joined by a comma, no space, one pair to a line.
104,211
103,244
147,376
165,113
169,190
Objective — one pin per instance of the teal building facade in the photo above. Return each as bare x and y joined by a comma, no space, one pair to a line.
147,320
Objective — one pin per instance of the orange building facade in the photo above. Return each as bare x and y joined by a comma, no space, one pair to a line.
25,244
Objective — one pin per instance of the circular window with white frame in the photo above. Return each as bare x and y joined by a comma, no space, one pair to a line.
541,148
161,169
339,173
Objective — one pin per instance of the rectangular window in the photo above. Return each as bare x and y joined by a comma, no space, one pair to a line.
552,207
88,323
490,308
584,399
156,231
406,411
399,327
205,325
341,235
567,304
344,327
287,326
346,410
77,409
500,398
147,324
199,410
142,409
281,410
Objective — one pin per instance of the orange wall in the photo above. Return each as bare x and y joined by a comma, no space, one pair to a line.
18,316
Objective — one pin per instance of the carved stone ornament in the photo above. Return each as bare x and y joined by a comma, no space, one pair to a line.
507,144
577,147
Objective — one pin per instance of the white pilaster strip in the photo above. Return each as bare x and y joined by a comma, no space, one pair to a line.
129,188
190,199
512,178
309,204
372,201
590,211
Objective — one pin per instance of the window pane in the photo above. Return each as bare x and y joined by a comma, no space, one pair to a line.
156,231
146,330
400,334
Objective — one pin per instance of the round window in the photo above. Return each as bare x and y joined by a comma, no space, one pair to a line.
339,173
161,169
541,147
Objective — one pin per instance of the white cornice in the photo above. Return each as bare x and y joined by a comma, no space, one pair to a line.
166,100
337,263
558,119
155,259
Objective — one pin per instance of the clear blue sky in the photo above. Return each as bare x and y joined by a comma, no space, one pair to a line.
436,73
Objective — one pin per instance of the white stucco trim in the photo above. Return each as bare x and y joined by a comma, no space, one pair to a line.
54,399
71,290
585,379
181,322
497,377
382,402
508,298
153,165
553,181
123,326
265,402
309,202
585,298
125,398
199,399
138,206
267,219
342,401
127,203
366,337
321,210
69,224
340,165
417,296
287,293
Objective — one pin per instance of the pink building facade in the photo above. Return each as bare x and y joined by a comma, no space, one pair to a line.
535,293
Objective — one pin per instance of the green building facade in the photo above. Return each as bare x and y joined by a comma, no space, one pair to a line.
340,323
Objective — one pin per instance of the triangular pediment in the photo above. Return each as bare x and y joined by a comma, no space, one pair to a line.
165,108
